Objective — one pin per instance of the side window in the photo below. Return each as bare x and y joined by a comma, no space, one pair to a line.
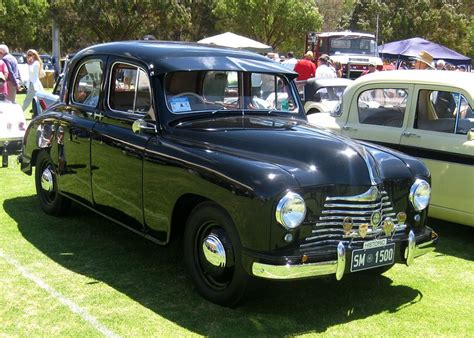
130,89
443,111
86,89
382,106
270,92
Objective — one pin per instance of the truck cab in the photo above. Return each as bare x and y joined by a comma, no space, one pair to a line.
355,51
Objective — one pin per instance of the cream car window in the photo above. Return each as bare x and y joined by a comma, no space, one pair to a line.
382,106
443,111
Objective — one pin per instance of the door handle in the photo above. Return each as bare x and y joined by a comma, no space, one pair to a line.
349,128
408,134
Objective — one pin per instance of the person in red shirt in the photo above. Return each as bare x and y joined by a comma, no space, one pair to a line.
305,67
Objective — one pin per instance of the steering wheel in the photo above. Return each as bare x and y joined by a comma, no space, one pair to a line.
191,94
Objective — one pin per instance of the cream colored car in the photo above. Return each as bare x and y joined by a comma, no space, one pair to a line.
427,114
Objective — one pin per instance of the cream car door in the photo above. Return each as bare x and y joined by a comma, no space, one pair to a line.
378,113
436,135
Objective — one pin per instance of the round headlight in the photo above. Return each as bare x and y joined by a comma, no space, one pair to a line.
420,193
291,210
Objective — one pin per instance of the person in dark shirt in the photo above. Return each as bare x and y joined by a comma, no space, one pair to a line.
13,81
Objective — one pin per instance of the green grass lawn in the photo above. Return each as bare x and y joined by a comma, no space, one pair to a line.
81,275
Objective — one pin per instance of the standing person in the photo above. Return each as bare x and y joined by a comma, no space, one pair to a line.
338,68
305,67
440,64
290,61
13,81
4,72
372,69
35,71
423,60
324,71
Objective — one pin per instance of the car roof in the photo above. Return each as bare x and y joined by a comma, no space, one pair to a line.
346,33
164,56
333,82
464,80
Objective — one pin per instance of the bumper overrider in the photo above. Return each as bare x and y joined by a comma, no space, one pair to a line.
407,250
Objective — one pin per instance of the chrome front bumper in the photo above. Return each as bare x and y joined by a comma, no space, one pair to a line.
336,267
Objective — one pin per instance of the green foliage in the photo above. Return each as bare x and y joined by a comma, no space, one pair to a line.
444,22
24,24
281,24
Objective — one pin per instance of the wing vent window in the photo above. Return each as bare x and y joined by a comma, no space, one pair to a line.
382,106
87,83
130,90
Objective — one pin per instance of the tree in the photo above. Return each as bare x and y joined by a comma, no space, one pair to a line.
24,25
443,21
85,22
281,24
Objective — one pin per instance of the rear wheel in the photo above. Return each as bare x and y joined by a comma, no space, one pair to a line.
212,254
47,191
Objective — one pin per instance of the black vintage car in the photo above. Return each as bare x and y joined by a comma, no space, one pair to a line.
212,145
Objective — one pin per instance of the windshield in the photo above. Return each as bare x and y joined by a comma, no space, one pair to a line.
330,93
352,45
212,91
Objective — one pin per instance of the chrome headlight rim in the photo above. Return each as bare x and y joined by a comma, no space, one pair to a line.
285,220
419,203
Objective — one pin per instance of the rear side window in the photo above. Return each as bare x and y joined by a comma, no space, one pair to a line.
443,111
382,106
87,83
130,89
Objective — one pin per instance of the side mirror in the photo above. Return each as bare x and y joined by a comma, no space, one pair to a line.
470,134
142,125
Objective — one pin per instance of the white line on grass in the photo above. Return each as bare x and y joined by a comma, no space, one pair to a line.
70,304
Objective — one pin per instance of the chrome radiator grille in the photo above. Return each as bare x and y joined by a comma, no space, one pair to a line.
328,229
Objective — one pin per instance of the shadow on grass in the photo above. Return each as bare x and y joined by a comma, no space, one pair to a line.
154,277
455,239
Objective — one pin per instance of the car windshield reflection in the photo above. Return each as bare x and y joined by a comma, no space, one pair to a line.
227,91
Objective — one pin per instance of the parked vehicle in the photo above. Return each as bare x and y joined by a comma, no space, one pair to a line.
427,114
12,127
47,61
321,95
157,137
23,69
355,51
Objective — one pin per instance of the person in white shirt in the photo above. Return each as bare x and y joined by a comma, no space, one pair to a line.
35,70
290,62
324,71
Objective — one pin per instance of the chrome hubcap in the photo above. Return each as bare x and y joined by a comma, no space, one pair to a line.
214,251
47,180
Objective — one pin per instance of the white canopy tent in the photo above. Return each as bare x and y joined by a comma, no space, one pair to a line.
229,39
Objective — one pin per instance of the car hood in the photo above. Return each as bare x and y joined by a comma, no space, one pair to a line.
311,155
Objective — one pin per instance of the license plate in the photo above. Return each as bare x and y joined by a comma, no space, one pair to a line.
369,258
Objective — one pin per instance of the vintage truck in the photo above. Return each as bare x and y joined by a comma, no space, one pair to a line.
355,51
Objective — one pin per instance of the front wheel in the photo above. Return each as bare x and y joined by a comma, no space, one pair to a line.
47,190
212,254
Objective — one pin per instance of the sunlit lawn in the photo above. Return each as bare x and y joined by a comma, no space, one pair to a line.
132,287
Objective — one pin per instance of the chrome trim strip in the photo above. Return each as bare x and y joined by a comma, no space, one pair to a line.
355,206
354,212
293,271
369,196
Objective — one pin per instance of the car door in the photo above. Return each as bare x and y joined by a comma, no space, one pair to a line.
74,131
116,151
437,133
377,113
